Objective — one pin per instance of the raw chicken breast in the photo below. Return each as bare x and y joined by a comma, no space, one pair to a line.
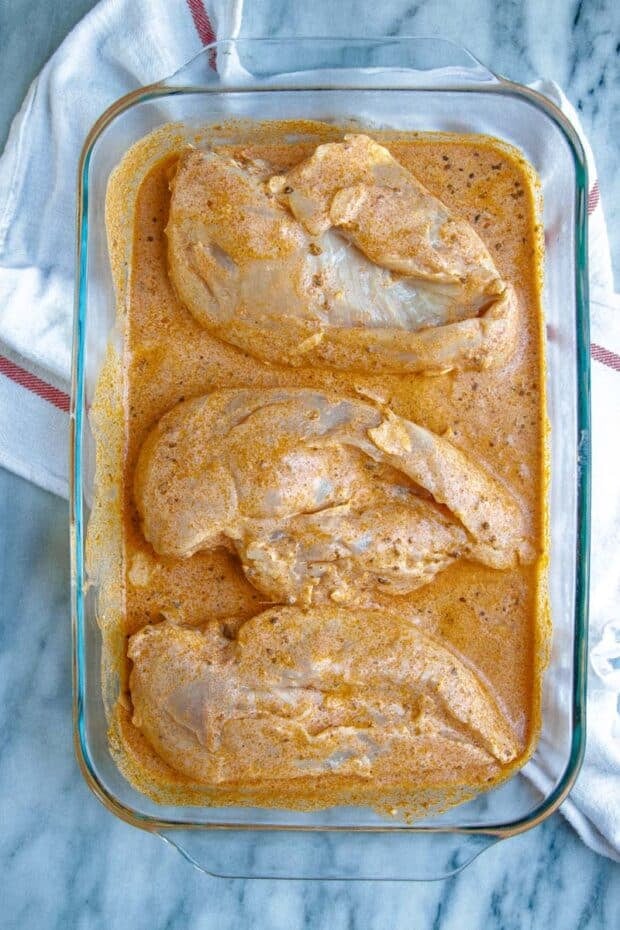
325,692
323,497
346,261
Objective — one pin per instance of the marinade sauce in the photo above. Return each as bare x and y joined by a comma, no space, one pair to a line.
496,620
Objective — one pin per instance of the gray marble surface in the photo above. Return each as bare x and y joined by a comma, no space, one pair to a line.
64,861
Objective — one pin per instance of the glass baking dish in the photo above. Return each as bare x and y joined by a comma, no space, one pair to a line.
395,83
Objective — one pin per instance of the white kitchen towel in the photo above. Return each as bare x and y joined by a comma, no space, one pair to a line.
118,46
593,806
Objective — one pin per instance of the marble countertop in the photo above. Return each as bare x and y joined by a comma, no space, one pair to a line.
65,862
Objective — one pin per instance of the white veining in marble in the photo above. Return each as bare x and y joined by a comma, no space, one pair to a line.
65,862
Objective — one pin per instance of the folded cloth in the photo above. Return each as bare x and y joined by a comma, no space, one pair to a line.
593,806
118,46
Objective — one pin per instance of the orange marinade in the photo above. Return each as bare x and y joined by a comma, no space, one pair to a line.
495,620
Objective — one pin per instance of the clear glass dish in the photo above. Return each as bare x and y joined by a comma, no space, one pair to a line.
396,83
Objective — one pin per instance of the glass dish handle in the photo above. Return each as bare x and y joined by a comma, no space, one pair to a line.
334,855
421,62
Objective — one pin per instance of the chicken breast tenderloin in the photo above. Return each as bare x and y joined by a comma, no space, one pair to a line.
299,693
345,261
323,498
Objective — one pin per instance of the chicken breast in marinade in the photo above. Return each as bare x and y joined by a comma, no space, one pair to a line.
320,521
345,261
328,692
323,497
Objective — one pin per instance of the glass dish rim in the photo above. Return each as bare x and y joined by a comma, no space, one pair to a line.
496,85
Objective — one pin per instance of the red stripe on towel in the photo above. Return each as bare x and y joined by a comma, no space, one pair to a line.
593,198
29,381
201,21
605,356
203,26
